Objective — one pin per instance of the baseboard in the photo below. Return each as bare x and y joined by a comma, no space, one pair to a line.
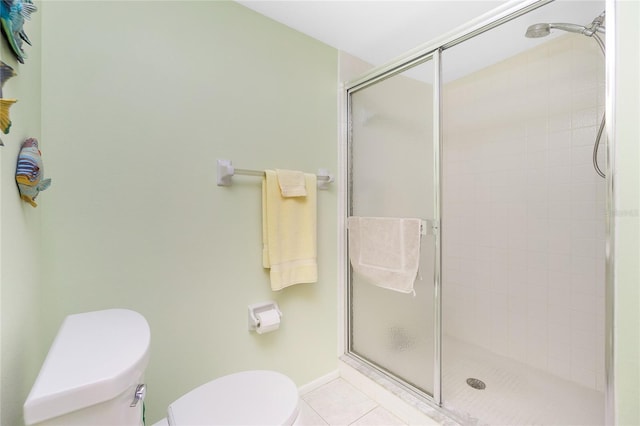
315,384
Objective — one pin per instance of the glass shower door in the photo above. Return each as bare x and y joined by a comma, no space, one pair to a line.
391,166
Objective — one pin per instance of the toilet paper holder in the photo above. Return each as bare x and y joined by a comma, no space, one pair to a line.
256,308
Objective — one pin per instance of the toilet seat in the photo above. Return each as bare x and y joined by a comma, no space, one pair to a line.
256,397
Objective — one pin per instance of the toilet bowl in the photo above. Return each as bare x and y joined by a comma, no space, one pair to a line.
93,375
256,397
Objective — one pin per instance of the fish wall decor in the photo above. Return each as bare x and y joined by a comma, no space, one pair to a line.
29,172
6,72
13,13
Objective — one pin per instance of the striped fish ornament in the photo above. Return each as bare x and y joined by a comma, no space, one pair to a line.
29,171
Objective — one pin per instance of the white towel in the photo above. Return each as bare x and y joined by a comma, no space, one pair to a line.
385,250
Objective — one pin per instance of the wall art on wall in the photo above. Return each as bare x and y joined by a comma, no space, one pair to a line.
6,72
29,172
13,13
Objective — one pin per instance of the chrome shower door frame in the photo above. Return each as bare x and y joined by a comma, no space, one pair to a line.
349,90
432,51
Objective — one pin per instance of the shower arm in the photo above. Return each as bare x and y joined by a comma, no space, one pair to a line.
597,25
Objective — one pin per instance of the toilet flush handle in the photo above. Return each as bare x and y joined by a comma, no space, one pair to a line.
141,390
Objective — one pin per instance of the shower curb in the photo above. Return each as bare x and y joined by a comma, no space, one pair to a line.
403,404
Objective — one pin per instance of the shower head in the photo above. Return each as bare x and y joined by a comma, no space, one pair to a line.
538,30
543,30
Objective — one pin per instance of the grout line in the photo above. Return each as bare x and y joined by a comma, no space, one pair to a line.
318,414
377,405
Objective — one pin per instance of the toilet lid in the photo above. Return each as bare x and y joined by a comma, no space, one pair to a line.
246,398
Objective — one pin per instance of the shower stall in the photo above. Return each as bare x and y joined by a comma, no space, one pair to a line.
492,137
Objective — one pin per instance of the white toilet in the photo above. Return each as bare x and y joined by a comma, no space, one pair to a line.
246,398
93,375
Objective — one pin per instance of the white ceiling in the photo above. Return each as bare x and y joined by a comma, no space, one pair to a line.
375,31
379,31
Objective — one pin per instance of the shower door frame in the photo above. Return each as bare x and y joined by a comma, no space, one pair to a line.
432,51
437,194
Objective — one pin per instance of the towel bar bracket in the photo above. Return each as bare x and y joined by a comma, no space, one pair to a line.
225,172
324,178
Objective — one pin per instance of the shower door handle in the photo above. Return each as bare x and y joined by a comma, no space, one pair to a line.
429,227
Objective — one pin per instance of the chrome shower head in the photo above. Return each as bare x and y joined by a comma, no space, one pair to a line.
543,30
538,30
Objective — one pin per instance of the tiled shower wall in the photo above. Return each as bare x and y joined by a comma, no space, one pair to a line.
523,209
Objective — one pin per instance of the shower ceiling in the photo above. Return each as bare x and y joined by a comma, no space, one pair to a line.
379,31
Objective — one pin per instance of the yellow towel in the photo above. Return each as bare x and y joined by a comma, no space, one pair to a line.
289,233
292,183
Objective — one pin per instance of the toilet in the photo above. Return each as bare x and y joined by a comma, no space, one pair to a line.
94,374
245,398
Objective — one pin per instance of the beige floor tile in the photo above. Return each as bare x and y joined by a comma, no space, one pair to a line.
339,403
378,417
308,416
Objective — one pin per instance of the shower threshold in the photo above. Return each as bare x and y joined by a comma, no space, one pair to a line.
396,397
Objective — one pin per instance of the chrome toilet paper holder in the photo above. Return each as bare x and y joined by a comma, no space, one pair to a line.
256,308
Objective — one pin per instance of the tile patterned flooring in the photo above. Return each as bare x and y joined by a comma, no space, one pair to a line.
339,403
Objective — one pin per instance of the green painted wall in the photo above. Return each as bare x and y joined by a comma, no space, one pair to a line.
627,216
140,99
19,236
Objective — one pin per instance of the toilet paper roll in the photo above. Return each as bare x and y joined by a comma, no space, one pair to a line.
268,321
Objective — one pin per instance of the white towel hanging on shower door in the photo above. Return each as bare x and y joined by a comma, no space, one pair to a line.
385,250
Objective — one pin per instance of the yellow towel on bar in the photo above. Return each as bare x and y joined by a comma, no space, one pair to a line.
289,233
292,183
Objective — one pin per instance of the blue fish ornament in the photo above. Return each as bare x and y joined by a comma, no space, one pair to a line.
29,172
13,13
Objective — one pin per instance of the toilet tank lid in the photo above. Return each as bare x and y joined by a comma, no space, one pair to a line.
94,357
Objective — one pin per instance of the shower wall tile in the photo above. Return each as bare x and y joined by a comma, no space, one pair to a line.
523,224
560,121
559,367
559,343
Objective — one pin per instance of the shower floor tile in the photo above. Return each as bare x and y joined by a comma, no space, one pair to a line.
515,394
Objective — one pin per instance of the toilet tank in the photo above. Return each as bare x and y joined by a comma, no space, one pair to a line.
92,372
